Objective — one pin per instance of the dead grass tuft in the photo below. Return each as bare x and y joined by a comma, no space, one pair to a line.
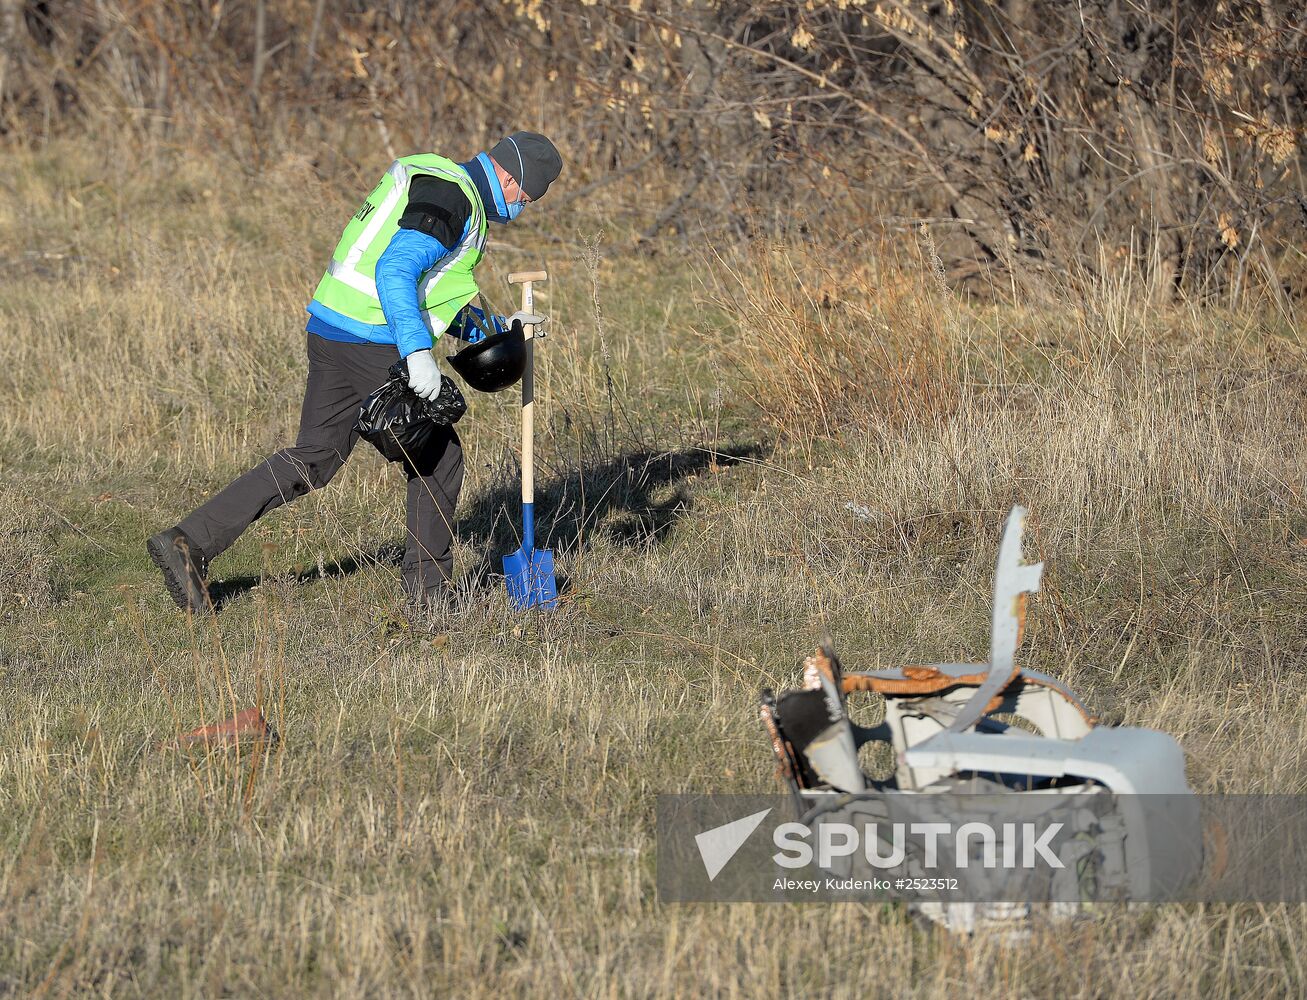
27,556
826,336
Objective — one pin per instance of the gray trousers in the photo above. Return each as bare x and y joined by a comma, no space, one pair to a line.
340,377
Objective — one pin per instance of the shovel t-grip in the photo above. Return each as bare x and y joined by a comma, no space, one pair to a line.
528,572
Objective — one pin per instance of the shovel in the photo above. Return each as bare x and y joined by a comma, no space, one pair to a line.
529,572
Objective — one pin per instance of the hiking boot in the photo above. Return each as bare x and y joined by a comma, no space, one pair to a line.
184,567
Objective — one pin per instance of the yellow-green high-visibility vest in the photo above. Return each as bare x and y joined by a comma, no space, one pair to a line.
349,286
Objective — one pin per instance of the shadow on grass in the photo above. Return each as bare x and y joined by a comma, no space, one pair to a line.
224,591
631,499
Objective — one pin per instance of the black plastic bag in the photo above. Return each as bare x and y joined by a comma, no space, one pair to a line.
400,424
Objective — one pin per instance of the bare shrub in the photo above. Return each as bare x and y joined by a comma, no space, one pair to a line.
1031,133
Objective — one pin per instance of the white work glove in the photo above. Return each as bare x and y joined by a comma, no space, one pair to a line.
423,375
525,318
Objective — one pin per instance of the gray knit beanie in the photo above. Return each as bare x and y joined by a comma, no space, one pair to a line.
531,159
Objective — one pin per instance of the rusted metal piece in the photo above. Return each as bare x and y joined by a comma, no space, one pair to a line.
785,767
1216,848
247,727
914,680
818,665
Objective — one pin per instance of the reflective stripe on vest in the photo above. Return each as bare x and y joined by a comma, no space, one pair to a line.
436,314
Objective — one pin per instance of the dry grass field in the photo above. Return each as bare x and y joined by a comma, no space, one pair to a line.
464,805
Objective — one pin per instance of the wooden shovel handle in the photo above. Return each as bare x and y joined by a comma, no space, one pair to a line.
527,279
517,277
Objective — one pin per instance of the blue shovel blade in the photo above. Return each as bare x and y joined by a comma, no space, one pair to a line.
530,578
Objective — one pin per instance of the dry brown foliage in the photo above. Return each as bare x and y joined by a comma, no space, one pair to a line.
1033,133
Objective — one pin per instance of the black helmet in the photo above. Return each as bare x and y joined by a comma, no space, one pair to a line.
494,363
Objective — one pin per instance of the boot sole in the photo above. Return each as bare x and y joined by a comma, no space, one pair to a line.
176,587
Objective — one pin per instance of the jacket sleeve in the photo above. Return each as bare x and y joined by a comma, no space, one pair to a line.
405,258
472,325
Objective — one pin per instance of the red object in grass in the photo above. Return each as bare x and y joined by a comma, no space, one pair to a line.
244,727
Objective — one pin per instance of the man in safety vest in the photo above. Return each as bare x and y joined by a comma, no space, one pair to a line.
400,277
